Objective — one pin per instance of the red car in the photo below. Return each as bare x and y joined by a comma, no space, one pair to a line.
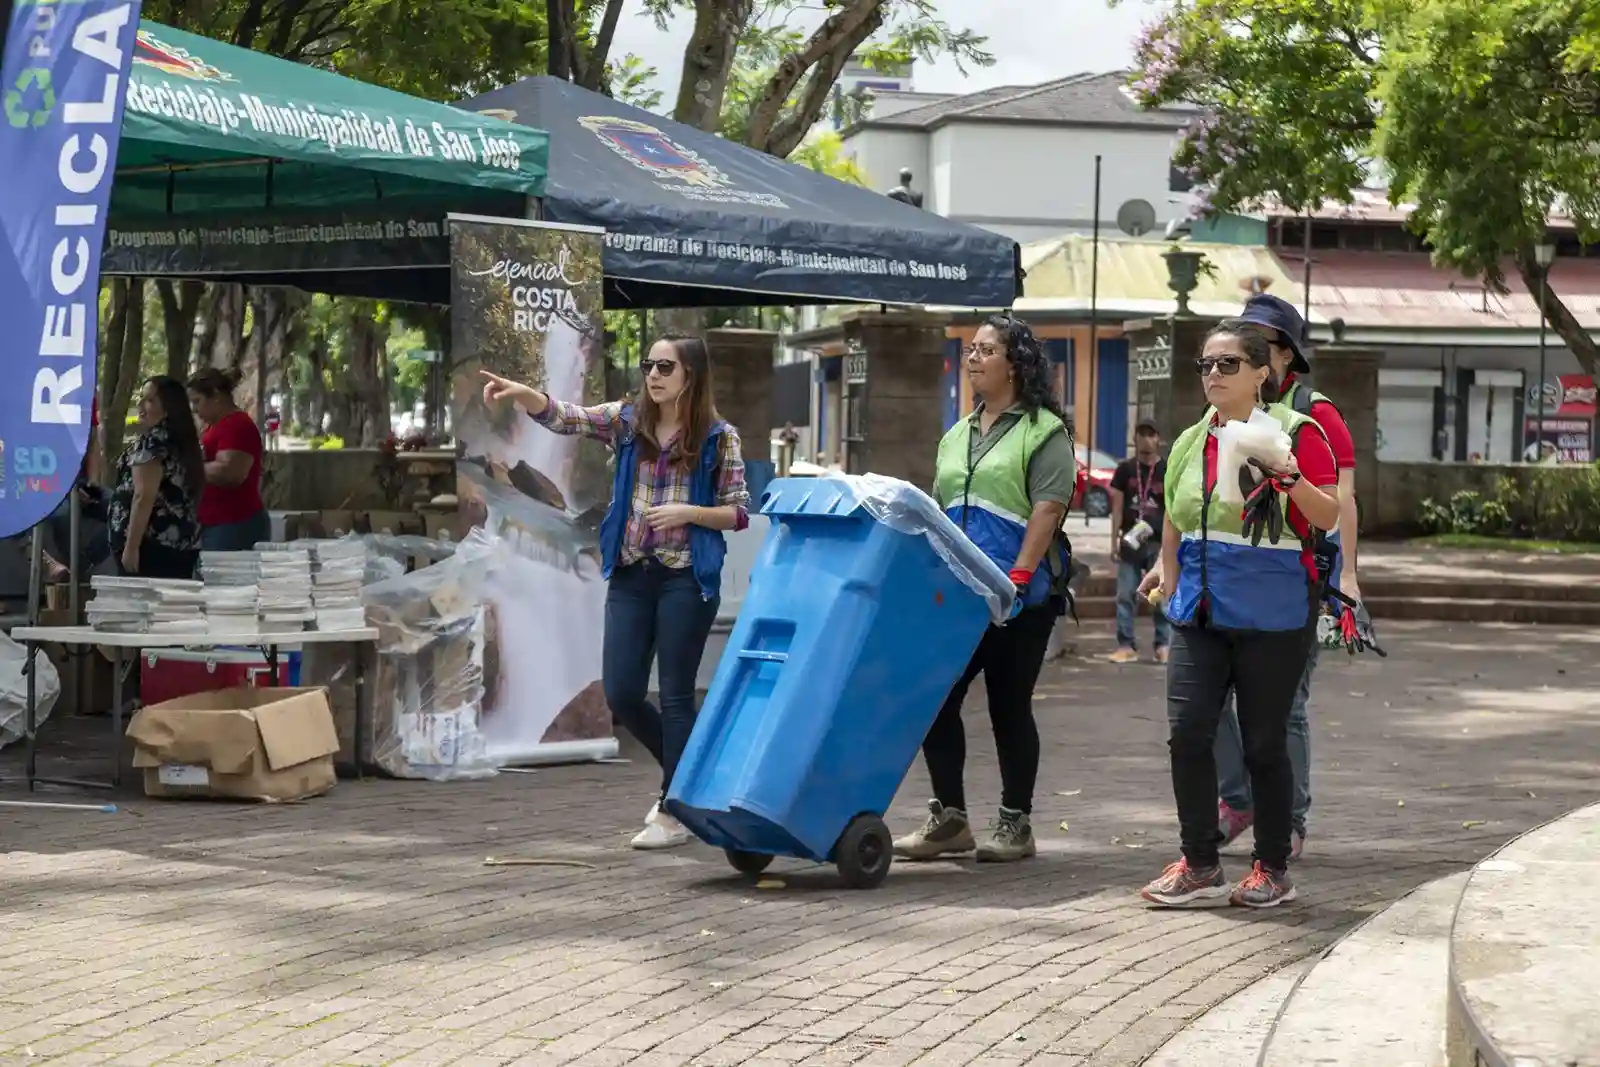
1093,496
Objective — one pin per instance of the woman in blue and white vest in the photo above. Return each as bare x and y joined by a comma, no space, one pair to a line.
679,484
1005,475
1242,602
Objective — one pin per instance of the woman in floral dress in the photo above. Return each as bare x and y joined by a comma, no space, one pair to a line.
155,499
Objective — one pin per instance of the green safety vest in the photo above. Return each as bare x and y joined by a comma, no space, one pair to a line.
990,501
1244,586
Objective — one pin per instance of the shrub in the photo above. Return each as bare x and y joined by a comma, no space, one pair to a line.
1467,512
1544,503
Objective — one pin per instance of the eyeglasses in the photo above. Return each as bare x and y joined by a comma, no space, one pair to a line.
985,350
662,368
1227,366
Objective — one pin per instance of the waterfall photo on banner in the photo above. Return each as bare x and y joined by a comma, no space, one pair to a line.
526,304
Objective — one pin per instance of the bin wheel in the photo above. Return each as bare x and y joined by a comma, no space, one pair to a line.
751,863
864,852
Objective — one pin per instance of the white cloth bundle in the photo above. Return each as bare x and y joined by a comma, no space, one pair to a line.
1261,438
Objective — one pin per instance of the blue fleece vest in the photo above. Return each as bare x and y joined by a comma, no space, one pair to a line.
707,548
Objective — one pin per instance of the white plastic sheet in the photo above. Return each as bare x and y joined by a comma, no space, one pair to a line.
1261,439
903,507
14,689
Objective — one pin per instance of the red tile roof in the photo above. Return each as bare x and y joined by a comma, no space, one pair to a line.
1405,291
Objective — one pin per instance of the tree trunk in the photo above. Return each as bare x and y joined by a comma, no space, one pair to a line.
317,388
116,332
123,381
820,60
366,386
180,305
222,334
1560,317
271,310
708,59
593,75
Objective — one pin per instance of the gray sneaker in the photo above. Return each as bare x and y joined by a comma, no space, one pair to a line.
946,833
1010,840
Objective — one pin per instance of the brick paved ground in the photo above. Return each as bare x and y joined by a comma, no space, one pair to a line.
363,928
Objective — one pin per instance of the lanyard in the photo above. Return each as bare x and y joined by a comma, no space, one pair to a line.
1144,479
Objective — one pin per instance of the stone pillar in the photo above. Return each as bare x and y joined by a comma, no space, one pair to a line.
1349,377
894,373
1163,352
741,366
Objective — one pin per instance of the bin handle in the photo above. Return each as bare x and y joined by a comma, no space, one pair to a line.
764,657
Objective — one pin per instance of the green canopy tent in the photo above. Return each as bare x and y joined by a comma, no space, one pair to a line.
301,176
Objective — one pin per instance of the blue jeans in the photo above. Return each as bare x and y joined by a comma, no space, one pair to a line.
655,612
1129,575
1233,780
238,536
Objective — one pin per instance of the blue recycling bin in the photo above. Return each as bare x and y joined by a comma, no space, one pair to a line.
864,607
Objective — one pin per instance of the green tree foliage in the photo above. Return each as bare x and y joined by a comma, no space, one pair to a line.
1482,113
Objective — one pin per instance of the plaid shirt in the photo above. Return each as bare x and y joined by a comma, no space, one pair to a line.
657,482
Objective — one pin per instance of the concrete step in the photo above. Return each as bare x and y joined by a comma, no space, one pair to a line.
1378,996
1472,609
1522,987
1469,587
1234,1031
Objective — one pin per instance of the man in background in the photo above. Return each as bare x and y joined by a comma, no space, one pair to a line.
1138,508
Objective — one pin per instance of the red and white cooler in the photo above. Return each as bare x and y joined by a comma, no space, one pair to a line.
170,673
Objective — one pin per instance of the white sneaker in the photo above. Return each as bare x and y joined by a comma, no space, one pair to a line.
660,831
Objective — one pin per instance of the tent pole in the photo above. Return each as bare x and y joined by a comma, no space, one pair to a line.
1094,332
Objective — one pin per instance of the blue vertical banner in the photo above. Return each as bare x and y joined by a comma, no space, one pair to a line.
63,77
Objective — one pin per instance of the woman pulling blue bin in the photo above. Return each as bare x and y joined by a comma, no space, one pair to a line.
863,609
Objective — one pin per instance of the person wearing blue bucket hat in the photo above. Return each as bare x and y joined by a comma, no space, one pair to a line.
1284,329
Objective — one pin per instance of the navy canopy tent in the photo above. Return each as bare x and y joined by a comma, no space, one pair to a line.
692,219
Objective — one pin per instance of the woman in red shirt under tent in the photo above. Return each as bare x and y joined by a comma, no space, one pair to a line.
233,517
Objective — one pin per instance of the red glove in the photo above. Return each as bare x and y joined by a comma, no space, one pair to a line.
1020,577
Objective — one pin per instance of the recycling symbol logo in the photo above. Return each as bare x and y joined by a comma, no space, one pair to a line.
21,112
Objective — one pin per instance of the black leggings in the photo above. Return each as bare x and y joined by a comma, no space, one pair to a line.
1009,657
1264,669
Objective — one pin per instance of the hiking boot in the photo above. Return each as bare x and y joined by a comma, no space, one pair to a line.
1263,888
1125,655
1162,655
946,833
1182,887
1233,823
1010,840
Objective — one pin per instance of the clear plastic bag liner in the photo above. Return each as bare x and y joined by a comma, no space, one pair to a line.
427,697
1261,438
903,507
14,689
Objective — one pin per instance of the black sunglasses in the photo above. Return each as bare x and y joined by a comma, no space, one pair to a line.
660,367
1228,365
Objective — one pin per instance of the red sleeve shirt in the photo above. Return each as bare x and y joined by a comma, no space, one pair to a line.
1338,433
221,505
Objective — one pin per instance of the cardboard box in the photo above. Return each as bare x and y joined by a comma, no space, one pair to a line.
241,744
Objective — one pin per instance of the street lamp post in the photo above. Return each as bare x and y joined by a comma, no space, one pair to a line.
1544,255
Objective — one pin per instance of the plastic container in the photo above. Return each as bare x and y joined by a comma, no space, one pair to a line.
863,609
